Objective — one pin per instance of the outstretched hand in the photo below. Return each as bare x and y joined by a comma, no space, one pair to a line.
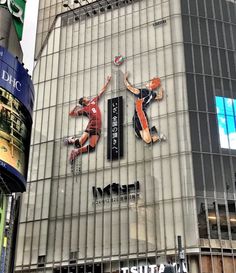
160,94
74,112
105,85
126,75
107,81
108,78
129,86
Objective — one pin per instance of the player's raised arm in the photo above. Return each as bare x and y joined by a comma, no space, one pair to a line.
104,88
129,86
160,94
76,111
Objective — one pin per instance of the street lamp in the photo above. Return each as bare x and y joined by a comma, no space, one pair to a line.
66,5
102,8
78,2
86,12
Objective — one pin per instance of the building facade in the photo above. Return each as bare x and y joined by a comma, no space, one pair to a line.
16,107
122,211
210,39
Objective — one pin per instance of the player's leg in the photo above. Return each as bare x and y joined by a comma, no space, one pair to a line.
156,136
85,149
93,140
91,147
83,138
78,142
141,124
137,126
146,136
70,140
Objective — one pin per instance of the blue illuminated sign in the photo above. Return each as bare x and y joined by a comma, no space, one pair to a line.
226,117
16,108
15,79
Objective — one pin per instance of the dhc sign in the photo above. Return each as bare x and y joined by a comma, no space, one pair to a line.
16,108
15,79
11,80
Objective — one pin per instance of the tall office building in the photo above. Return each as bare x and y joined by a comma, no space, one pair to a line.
121,205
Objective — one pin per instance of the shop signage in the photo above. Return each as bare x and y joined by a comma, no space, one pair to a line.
115,128
139,269
17,9
16,107
152,268
15,79
158,23
115,189
114,193
11,80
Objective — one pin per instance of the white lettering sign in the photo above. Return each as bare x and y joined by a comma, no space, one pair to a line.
134,269
12,81
3,164
151,268
139,269
14,8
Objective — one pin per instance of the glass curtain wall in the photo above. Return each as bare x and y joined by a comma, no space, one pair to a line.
209,43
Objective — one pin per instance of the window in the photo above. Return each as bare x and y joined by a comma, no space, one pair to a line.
202,218
201,8
41,260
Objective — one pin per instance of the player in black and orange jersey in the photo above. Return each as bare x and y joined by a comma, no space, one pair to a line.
144,97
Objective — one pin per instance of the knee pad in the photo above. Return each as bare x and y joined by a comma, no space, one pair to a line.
77,143
91,148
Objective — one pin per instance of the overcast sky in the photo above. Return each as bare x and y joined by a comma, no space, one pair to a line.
28,40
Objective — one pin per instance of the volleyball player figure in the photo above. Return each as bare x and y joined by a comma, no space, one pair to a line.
145,97
92,132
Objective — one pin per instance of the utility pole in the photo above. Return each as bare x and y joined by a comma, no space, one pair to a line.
181,254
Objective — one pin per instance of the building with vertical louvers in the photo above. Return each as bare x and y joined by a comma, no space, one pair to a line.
119,171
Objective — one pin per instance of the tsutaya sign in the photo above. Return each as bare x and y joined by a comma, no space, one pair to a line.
17,9
151,268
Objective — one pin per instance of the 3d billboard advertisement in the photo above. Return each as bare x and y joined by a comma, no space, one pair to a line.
16,107
17,9
89,107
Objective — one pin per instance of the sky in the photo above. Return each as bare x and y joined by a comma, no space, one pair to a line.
28,40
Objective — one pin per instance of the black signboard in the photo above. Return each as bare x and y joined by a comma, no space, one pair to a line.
115,128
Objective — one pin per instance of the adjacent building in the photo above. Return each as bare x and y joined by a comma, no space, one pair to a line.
16,107
121,206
